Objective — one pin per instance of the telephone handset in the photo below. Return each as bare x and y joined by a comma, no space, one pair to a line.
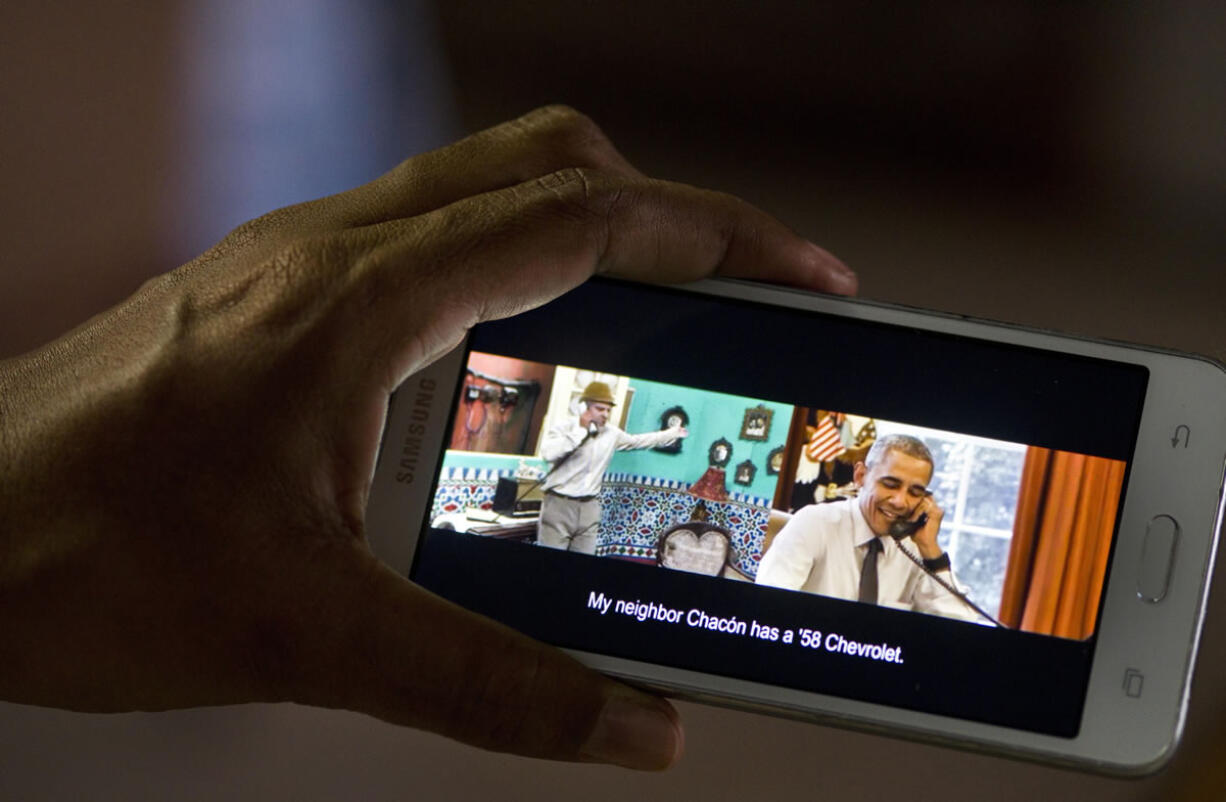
904,529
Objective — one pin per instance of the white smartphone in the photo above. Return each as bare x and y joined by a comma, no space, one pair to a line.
671,484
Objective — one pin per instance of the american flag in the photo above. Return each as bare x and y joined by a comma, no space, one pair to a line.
825,444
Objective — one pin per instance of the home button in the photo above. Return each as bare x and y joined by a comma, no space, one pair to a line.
1157,558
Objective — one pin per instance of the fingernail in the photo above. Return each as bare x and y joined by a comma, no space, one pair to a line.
637,732
842,278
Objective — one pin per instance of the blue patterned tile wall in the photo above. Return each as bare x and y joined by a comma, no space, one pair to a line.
460,488
638,509
635,511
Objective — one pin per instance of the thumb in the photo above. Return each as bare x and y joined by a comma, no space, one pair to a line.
410,657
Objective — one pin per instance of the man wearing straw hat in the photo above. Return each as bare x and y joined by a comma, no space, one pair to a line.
581,451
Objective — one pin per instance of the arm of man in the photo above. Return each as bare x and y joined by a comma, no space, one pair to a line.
228,415
562,440
665,437
929,596
790,559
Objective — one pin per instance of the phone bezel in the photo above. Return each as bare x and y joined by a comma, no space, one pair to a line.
1119,734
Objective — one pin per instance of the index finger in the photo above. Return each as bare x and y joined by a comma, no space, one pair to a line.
501,253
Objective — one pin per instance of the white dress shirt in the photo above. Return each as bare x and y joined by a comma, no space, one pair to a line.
581,474
821,550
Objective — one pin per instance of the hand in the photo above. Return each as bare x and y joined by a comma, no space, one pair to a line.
926,537
680,432
587,419
183,478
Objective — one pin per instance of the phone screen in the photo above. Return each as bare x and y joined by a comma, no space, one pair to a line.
686,480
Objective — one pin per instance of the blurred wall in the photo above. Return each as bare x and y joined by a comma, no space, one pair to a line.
1054,165
86,142
1039,164
135,135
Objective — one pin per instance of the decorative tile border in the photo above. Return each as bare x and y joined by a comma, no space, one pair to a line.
669,484
461,488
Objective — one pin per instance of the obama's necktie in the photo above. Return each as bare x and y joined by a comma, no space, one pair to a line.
868,572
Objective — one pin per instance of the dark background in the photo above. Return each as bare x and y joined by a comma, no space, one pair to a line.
1061,166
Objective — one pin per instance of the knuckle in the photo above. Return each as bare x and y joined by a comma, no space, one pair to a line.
587,198
568,133
581,192
557,117
737,223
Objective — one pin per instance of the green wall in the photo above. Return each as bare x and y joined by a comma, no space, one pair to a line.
712,416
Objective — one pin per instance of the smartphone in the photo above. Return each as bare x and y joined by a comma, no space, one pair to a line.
1080,484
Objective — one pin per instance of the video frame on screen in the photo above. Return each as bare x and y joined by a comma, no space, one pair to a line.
754,490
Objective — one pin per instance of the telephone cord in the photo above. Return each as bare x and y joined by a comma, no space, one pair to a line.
962,597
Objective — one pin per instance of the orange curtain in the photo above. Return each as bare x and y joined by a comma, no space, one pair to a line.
1061,538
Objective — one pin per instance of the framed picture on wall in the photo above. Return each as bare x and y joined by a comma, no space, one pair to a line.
757,423
670,418
719,453
744,473
774,461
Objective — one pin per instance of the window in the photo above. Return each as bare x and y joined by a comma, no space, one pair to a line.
975,480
